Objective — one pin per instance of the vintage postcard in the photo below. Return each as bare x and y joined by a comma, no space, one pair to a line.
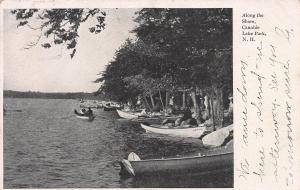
148,94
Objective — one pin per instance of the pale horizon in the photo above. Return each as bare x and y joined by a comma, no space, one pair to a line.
52,70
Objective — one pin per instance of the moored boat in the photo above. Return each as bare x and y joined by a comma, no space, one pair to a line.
134,166
195,132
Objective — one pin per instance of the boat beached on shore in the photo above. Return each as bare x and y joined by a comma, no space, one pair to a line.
141,117
127,115
194,131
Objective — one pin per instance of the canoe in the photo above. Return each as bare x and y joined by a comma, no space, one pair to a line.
139,117
134,166
195,132
84,117
91,118
127,115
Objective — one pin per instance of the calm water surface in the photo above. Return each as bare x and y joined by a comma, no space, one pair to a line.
46,146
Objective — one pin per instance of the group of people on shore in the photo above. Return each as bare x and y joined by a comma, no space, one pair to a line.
186,120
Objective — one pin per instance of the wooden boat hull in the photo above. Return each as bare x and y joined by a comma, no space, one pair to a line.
141,119
91,118
194,132
185,165
126,115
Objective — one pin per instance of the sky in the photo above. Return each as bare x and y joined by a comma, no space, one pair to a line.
52,70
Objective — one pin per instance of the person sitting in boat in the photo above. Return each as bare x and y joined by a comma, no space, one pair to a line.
186,119
169,110
142,113
83,110
168,122
89,112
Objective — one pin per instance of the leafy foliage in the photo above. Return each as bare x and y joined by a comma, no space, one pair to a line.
175,50
191,40
190,47
59,26
127,63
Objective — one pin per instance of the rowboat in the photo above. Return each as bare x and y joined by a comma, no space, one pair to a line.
127,115
140,117
84,117
134,166
195,132
89,118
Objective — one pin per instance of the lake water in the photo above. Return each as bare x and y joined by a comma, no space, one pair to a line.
46,146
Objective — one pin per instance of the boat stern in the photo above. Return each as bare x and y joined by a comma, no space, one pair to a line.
126,168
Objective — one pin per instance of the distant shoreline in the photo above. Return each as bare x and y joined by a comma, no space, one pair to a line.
51,95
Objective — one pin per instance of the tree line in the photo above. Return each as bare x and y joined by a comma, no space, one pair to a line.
53,95
185,54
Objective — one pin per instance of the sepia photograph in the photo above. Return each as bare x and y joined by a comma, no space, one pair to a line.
118,98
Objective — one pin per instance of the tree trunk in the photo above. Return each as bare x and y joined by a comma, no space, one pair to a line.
183,99
207,106
218,107
152,101
131,103
167,99
147,106
196,106
162,103
211,111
